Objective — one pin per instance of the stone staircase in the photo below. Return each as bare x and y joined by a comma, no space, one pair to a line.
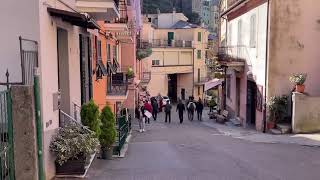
282,128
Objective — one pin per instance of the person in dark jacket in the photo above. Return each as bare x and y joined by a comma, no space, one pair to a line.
199,108
154,109
180,110
167,110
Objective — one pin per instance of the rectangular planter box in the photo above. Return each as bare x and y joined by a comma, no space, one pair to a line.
72,167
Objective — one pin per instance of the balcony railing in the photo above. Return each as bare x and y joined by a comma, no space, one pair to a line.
233,54
118,86
159,43
146,77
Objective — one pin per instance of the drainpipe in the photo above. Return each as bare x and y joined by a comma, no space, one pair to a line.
193,72
266,70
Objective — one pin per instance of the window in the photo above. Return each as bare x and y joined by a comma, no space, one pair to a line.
199,54
199,36
230,35
115,52
228,86
155,62
108,52
128,2
253,29
240,32
99,49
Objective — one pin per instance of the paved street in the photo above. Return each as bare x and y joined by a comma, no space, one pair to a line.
193,151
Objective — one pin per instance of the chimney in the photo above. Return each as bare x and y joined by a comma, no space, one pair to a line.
158,11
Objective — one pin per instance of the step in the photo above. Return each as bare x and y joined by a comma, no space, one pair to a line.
235,121
275,131
285,128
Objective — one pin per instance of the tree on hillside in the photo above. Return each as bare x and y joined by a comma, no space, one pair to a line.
194,18
165,6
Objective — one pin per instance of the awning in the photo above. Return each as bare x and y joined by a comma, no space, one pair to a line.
74,18
212,84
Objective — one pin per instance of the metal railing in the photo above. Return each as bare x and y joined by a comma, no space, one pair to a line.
119,85
6,136
66,119
76,112
233,53
146,76
122,133
158,43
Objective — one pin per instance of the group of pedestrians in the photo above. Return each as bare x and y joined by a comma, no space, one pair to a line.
147,109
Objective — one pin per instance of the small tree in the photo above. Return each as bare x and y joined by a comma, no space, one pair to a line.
143,53
90,116
108,130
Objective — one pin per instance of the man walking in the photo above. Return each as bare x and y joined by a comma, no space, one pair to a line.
154,109
167,110
142,118
191,107
180,109
199,109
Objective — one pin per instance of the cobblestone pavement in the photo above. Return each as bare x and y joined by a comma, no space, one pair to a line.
193,151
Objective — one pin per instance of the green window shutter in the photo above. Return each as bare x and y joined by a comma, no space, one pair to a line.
199,36
199,54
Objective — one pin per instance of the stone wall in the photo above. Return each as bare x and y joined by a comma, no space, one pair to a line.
24,133
305,113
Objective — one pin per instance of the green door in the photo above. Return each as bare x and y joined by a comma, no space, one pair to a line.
170,38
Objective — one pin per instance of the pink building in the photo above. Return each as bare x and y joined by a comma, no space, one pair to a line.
262,43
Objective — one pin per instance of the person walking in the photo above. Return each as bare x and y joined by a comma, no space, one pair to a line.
154,109
142,119
180,109
148,107
199,109
160,103
167,110
191,107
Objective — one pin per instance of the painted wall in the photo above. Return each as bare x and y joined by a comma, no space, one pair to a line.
49,72
294,29
254,54
306,113
11,12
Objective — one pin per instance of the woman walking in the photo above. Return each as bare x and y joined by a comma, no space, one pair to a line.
142,118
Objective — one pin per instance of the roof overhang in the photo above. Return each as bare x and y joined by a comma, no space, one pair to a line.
101,10
233,7
74,18
116,27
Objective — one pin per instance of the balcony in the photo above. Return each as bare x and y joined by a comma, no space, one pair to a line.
159,43
146,77
117,89
99,9
233,56
201,81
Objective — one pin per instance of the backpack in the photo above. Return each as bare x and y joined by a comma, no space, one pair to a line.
191,106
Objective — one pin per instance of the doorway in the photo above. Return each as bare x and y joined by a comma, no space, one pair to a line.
238,96
85,68
251,102
183,94
63,70
170,38
172,87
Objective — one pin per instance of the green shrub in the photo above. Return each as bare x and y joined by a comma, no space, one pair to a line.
298,79
278,108
73,141
143,53
90,116
108,130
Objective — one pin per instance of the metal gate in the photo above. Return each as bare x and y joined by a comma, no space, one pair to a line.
6,136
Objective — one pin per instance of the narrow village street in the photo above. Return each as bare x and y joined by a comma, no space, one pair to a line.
195,151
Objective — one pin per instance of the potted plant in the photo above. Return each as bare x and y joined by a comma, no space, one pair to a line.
298,80
108,132
130,73
277,106
90,117
73,146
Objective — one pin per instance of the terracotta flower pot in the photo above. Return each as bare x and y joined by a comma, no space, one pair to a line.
271,125
300,88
